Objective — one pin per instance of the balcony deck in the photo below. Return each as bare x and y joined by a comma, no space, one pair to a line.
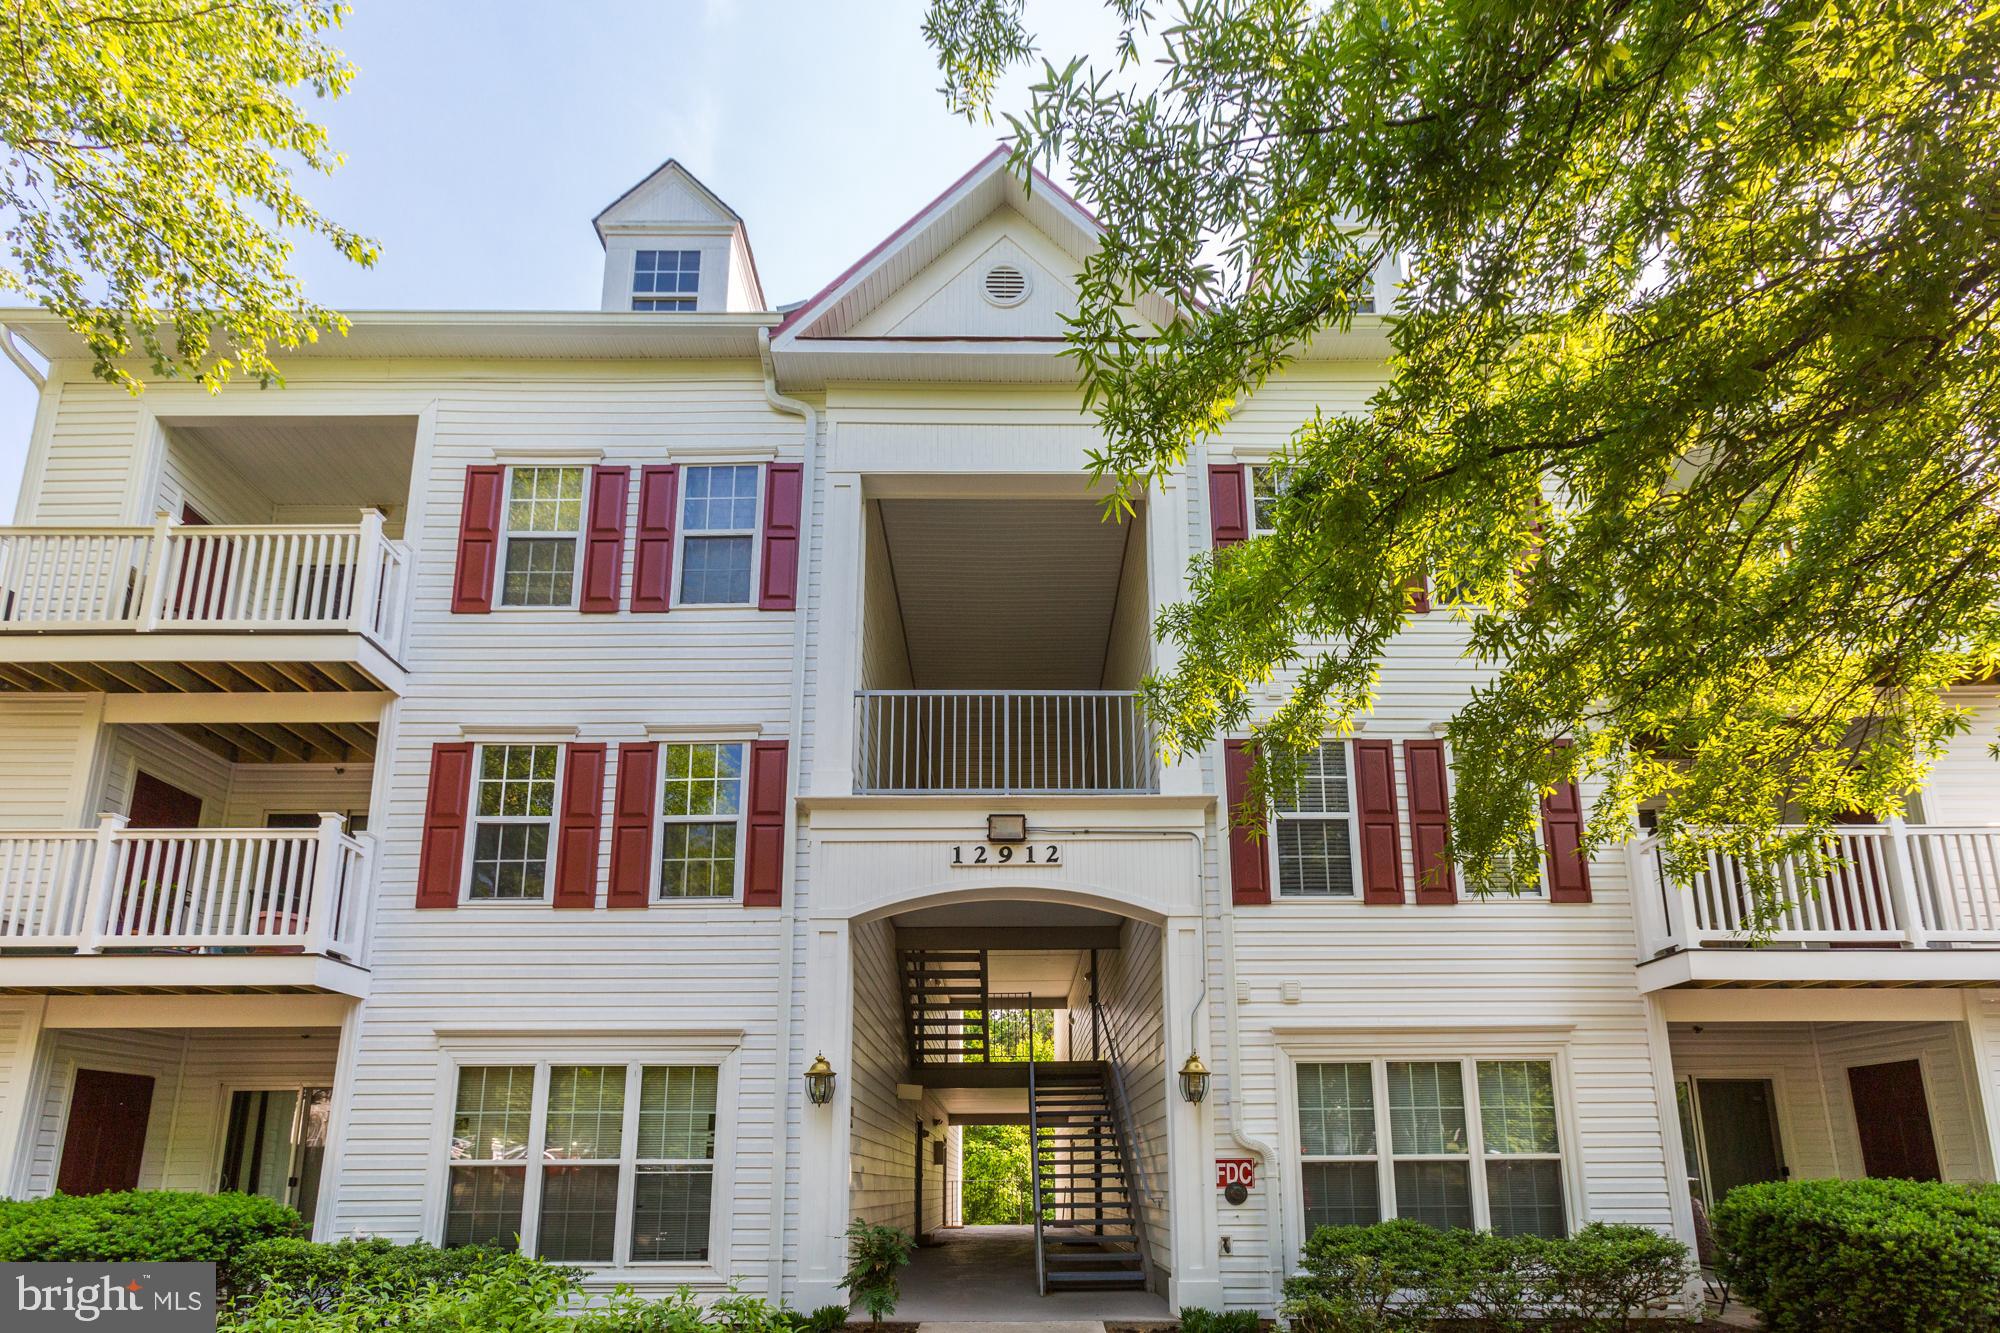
1002,742
1896,903
119,907
194,609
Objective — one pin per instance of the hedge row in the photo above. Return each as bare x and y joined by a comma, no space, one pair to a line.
1405,1275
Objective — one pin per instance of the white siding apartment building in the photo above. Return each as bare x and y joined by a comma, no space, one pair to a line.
462,791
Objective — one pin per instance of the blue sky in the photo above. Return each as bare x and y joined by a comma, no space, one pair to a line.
483,135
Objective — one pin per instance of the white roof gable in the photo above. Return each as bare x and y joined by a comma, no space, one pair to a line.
670,197
949,298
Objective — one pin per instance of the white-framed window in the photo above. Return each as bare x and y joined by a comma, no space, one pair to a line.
603,1163
665,280
542,533
718,533
1313,838
514,789
1451,1143
701,819
1507,883
1267,483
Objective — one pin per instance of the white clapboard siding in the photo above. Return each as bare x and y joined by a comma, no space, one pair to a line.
42,748
1129,991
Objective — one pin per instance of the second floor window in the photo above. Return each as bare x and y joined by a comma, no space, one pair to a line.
1267,483
666,279
544,529
718,533
701,810
1315,829
514,810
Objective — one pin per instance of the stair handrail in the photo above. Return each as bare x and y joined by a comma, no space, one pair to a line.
1128,1138
1035,1175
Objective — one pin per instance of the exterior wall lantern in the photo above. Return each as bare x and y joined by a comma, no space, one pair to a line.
819,1081
1194,1079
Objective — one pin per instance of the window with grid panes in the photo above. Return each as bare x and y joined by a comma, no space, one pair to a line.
489,1151
544,528
1267,483
1517,1116
1337,1149
1314,833
665,280
701,814
513,815
582,1146
674,1175
1428,1143
1471,1143
609,1132
718,532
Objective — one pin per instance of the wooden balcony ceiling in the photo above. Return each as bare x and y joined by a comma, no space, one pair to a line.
283,742
185,677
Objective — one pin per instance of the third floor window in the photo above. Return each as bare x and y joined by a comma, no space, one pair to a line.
718,532
544,528
666,279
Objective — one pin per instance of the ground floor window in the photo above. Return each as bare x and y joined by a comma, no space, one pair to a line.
623,1159
1451,1143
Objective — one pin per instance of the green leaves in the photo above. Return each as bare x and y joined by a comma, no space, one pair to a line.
1692,393
146,188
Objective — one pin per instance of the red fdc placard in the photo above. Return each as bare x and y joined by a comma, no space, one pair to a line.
1235,1171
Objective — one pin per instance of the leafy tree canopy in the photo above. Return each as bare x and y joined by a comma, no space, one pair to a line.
1692,403
145,193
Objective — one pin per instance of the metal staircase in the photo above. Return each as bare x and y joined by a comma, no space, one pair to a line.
944,1005
1088,1229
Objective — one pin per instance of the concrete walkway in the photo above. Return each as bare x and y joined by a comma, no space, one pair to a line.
986,1275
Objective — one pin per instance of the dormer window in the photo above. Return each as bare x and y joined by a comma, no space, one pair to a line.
666,279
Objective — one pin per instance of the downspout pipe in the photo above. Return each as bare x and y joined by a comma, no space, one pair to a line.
20,358
788,912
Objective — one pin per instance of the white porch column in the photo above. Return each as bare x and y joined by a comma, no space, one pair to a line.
20,1041
820,1213
1166,583
838,651
1982,1032
1195,1274
1660,1054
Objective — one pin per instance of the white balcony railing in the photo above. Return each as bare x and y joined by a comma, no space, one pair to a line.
1892,885
1002,741
213,890
175,577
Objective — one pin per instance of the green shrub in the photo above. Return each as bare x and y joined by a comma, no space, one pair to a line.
318,1273
826,1319
1404,1275
624,1312
874,1254
164,1226
1874,1255
528,1298
1194,1319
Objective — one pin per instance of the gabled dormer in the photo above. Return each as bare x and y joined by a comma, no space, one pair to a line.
672,246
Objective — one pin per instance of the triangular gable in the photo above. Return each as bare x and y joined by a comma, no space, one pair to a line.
949,297
670,195
930,252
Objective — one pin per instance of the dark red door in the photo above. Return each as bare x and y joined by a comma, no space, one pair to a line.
204,601
106,1137
157,804
1894,1120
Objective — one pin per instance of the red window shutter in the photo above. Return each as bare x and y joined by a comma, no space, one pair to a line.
1562,843
478,540
1229,504
764,858
1430,822
653,559
582,821
442,860
604,539
783,495
1249,865
1381,835
1419,589
632,826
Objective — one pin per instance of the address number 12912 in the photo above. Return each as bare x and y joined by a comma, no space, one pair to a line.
1006,854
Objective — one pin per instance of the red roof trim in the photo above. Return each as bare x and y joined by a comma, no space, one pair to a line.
1000,151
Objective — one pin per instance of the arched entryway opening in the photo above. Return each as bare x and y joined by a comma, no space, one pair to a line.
1032,1031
